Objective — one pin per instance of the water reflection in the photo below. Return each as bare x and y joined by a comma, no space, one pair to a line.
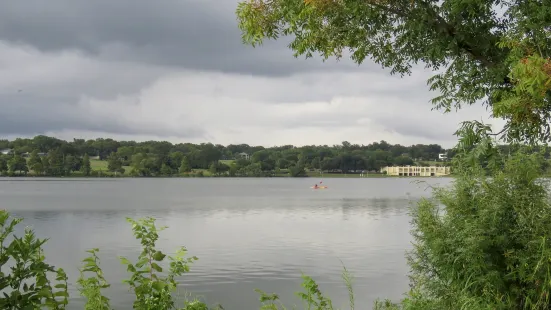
248,234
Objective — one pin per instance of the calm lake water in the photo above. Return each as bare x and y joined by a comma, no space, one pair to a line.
247,233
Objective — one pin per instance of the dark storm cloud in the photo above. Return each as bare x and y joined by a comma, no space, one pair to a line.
193,34
28,115
111,65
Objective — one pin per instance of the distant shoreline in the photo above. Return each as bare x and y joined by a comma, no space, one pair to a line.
332,176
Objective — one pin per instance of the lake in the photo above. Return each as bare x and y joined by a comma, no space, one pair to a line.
247,233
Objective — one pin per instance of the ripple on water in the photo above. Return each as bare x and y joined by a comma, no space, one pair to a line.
247,233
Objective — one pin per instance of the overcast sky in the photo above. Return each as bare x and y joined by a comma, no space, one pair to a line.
176,70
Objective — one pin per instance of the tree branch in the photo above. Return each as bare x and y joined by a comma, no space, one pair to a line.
376,3
500,132
451,31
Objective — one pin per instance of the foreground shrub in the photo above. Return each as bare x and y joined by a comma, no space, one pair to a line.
153,277
311,296
27,284
490,247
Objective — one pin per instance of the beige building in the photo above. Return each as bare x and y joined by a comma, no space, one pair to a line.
415,171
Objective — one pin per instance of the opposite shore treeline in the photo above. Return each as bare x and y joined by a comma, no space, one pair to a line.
48,156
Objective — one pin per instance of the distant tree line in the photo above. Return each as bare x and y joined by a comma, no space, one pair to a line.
48,156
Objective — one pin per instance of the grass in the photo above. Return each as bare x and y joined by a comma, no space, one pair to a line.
97,165
206,172
316,174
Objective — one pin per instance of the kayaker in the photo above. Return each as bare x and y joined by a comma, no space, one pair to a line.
316,186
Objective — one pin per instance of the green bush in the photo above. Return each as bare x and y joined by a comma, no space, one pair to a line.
27,285
489,247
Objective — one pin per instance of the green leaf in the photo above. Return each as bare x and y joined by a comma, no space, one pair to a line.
125,261
130,268
156,267
158,285
61,294
158,256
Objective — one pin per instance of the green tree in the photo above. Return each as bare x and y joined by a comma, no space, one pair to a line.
271,160
55,163
35,163
223,168
86,167
298,169
482,55
37,168
125,152
283,163
233,170
252,170
241,163
114,163
141,165
316,163
3,165
213,168
208,154
46,165
175,159
185,166
166,170
69,164
18,163
217,168
403,161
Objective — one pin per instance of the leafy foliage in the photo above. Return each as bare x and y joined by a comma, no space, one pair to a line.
17,164
311,296
152,158
153,291
114,163
484,242
479,54
86,167
185,166
90,288
27,286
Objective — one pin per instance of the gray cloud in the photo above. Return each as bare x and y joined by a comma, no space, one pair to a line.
29,115
191,34
178,69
